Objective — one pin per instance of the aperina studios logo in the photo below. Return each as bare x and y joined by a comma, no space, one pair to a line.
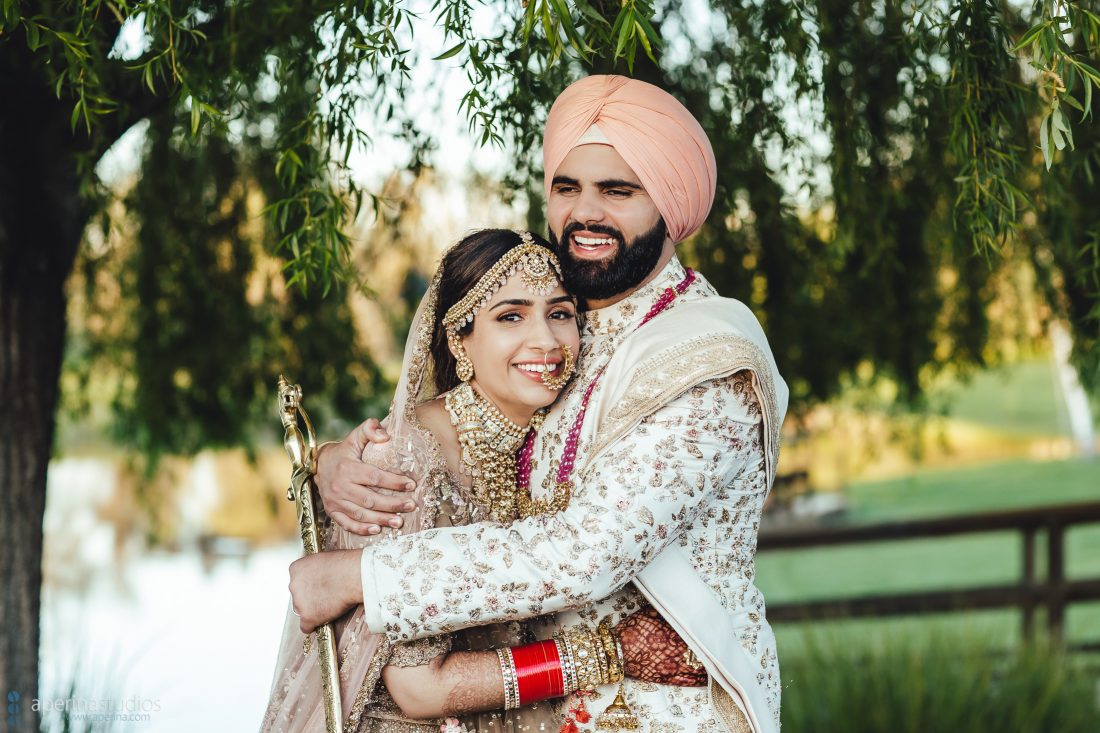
13,709
131,709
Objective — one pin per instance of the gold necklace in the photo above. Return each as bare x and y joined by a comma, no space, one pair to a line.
489,443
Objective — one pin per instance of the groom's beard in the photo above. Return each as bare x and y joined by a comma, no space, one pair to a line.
621,273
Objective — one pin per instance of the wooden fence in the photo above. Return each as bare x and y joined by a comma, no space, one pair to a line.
1053,592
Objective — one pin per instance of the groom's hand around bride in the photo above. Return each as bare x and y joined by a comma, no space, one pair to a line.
349,488
324,586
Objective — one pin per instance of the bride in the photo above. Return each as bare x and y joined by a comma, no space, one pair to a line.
491,346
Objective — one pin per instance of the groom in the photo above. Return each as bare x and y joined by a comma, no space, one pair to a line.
667,440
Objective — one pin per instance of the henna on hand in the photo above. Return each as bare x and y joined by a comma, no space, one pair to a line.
654,652
475,682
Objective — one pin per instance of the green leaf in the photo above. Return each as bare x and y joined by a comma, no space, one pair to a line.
650,32
1088,98
591,14
1058,120
624,31
528,20
1044,140
1072,102
566,20
76,114
196,115
1059,139
451,52
645,40
147,74
618,25
551,32
1093,73
1030,36
33,38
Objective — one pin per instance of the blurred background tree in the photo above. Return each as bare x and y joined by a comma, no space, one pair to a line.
884,171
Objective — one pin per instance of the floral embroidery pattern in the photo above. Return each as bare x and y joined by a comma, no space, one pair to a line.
693,472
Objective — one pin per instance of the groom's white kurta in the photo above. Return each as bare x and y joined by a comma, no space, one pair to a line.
676,457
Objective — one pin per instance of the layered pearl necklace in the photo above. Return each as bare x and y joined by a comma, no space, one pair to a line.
489,443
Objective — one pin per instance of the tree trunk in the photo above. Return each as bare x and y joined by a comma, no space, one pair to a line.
42,219
32,328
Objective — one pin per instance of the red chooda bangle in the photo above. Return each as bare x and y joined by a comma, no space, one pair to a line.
538,671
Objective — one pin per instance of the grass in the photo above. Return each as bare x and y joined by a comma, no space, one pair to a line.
946,682
1002,485
1019,399
1012,411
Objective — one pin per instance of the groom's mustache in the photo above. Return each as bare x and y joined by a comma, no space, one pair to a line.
571,229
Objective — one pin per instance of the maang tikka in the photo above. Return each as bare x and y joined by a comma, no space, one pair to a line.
537,267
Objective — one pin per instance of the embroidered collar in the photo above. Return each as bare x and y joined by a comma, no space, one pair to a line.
614,321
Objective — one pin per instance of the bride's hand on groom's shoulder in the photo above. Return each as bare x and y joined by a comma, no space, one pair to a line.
349,487
324,586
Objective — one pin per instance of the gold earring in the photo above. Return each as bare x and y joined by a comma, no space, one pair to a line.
464,368
568,364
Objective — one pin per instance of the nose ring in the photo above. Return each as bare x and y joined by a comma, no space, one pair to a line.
568,369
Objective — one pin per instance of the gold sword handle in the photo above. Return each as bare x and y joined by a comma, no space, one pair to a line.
302,450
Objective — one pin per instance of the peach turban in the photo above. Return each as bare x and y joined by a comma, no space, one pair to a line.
658,138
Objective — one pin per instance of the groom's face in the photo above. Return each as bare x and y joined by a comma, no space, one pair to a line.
607,230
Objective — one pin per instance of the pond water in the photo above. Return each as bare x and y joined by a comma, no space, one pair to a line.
161,641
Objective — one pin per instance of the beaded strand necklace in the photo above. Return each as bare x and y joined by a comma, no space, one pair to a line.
563,489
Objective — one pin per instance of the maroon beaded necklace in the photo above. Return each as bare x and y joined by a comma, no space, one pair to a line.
564,486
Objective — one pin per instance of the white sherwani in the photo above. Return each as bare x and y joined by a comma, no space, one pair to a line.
675,460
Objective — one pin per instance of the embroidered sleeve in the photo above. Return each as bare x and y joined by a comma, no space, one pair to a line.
419,652
628,505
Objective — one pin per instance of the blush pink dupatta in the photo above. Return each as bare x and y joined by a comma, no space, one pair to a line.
295,700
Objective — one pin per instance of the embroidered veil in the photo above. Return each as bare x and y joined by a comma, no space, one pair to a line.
295,701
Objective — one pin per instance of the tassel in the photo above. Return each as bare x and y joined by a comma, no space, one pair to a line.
618,715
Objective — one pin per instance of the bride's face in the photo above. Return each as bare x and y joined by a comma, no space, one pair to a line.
514,335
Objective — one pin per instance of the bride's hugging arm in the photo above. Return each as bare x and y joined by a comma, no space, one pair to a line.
456,683
462,682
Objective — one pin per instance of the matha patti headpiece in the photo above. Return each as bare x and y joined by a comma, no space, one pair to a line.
537,267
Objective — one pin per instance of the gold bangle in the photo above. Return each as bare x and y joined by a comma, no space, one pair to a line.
598,655
601,656
568,666
611,651
585,656
511,679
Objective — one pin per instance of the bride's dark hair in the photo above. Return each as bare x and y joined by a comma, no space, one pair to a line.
463,266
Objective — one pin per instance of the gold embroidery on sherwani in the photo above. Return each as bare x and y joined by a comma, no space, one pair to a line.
728,711
672,372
